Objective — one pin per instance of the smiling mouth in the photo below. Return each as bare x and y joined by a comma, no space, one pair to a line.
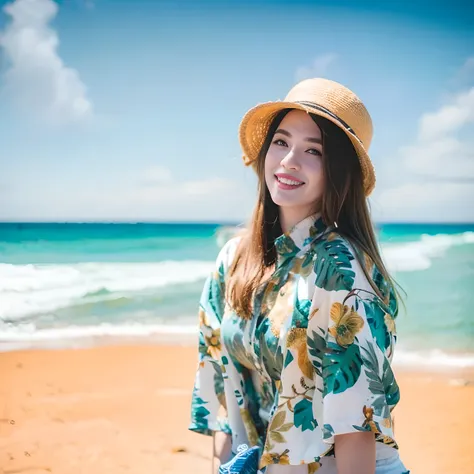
290,183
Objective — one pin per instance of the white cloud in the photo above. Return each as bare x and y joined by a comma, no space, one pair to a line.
445,158
448,118
427,202
156,175
37,78
161,185
435,174
130,197
318,68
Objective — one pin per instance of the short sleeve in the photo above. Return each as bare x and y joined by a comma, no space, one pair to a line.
209,407
350,340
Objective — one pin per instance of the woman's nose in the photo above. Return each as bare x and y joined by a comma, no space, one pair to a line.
290,160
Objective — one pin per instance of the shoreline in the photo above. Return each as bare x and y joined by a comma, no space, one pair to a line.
406,360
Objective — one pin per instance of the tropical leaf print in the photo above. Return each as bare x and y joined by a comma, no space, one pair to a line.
316,229
236,349
219,385
272,355
303,265
317,348
392,392
238,397
289,358
304,415
376,319
266,395
250,428
333,266
341,367
276,428
285,246
215,298
268,362
199,412
384,391
300,315
328,431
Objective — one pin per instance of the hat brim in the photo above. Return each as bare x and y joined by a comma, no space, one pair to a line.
256,123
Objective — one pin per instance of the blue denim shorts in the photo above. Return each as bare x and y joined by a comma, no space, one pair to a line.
392,465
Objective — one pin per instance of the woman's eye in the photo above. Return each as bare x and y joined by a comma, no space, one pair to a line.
313,151
280,142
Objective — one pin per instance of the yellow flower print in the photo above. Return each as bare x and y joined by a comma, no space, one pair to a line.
211,336
347,323
203,319
282,306
274,458
313,313
369,420
298,269
213,341
390,323
388,441
313,467
249,426
387,422
297,339
269,296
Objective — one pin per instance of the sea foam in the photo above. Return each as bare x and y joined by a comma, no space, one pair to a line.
26,336
418,255
34,289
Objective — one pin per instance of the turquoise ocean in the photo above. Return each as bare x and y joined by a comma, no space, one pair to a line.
68,285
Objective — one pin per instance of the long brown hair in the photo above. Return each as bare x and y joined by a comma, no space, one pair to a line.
343,202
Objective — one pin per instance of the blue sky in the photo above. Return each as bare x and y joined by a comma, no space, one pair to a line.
114,110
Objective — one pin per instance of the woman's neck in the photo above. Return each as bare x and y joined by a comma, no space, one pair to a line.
290,217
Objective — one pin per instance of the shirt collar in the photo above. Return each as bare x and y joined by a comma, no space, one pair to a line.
299,236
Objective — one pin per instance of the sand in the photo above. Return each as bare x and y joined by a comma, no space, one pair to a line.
125,409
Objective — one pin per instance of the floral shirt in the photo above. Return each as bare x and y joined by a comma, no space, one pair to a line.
311,363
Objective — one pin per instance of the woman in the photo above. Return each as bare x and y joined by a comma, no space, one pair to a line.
297,325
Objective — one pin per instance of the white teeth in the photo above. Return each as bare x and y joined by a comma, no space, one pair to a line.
288,181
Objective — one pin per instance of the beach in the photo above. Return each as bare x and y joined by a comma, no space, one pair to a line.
125,409
98,346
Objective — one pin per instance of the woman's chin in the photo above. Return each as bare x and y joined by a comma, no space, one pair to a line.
290,204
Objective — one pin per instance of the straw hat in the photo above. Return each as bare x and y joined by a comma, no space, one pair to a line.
318,96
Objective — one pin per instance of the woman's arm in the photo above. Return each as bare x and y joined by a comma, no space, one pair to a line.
221,449
355,453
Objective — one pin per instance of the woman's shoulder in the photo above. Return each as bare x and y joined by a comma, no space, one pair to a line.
338,261
227,252
333,248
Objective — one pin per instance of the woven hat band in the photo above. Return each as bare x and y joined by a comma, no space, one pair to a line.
327,111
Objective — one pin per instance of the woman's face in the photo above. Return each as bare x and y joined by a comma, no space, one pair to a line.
294,167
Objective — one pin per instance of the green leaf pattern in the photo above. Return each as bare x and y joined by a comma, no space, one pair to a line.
341,367
258,371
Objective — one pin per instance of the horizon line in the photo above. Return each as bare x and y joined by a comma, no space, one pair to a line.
206,222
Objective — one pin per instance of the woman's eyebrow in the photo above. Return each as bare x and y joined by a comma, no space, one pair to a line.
308,139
